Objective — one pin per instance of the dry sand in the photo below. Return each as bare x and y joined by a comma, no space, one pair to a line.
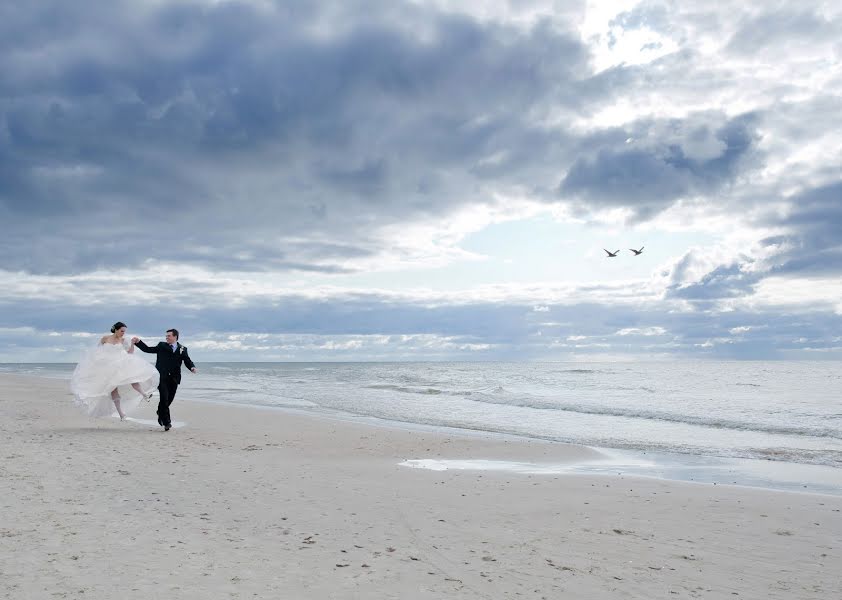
251,503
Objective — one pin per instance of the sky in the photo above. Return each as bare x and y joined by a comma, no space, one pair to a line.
368,180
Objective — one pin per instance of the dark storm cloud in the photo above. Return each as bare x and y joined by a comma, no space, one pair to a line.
810,246
650,178
725,281
813,242
234,121
214,133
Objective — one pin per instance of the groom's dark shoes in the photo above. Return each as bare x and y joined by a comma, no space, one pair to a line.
166,427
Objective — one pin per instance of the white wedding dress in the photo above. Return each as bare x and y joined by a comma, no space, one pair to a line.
106,367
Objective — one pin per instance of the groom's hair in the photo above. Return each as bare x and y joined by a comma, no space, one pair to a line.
174,332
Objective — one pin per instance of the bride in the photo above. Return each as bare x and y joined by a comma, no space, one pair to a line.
108,372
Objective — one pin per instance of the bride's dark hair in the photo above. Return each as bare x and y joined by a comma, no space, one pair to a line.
116,326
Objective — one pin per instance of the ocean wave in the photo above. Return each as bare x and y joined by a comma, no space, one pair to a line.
501,396
805,456
830,458
220,389
651,415
426,391
432,391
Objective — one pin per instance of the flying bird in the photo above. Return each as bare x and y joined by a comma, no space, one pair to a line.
636,252
612,254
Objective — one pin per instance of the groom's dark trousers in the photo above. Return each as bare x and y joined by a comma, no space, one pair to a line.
166,394
168,362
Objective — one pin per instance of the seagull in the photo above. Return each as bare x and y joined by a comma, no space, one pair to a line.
636,252
612,254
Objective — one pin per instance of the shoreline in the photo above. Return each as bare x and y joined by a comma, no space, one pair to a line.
681,467
770,474
293,506
661,430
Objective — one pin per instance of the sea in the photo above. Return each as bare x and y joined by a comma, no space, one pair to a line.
769,423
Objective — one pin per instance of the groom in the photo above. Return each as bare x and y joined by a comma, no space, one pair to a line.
168,362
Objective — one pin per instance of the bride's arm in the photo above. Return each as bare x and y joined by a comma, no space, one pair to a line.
102,339
131,347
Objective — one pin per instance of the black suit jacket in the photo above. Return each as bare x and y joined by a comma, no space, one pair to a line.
168,362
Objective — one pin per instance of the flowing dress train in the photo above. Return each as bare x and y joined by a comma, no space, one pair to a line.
104,368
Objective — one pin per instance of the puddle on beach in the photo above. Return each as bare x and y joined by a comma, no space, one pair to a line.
774,475
510,466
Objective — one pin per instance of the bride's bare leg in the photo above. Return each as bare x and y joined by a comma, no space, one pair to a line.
115,397
136,387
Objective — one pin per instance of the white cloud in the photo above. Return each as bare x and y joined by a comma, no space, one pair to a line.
645,331
804,293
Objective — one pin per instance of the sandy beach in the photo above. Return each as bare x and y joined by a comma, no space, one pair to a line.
254,503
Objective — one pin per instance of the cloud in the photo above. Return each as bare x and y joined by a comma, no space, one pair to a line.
807,246
341,324
725,281
645,331
674,160
783,30
255,136
812,242
739,330
248,168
